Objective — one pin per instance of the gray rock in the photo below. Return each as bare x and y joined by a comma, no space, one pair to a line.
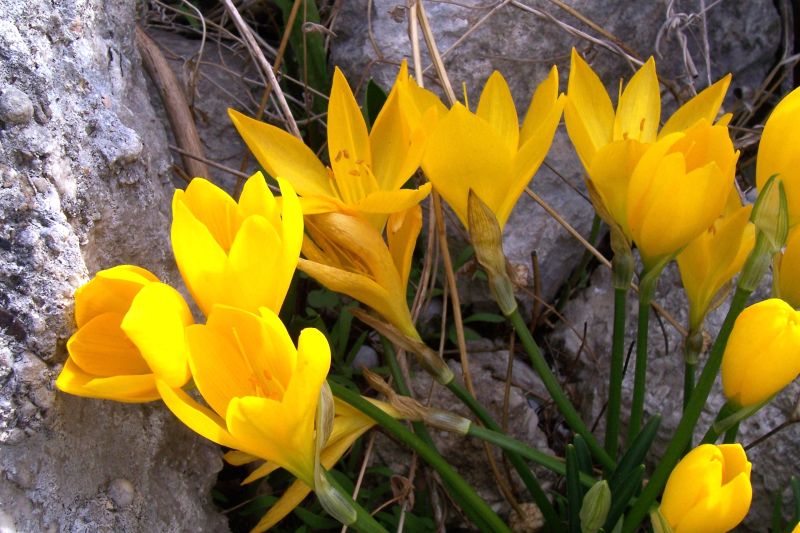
479,36
84,185
774,461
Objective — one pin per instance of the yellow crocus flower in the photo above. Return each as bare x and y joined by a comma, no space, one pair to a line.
763,352
240,254
367,169
261,392
130,332
678,188
487,152
348,425
709,490
346,254
610,143
712,259
778,154
786,269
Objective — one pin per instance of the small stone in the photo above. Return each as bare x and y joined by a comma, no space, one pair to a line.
366,357
121,491
15,106
531,520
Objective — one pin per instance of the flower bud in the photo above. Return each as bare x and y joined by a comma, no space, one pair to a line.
596,505
709,490
763,352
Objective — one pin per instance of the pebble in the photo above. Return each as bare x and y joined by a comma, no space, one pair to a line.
15,106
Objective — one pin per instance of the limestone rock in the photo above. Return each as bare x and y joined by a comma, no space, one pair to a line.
84,185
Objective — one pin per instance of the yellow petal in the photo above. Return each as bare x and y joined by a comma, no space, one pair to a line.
262,471
276,431
314,205
110,291
348,141
528,159
102,349
695,477
545,98
253,261
239,458
131,389
213,208
639,108
496,106
383,202
588,113
198,418
402,231
763,352
257,199
290,499
394,156
200,259
464,152
780,132
155,323
610,173
282,154
219,367
704,106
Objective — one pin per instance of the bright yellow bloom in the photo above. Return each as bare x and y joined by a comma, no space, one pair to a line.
366,169
261,392
786,271
487,152
244,254
130,331
611,143
777,152
346,254
709,491
763,352
711,260
348,425
678,189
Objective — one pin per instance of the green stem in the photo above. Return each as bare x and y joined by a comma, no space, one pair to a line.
615,380
514,456
556,392
685,428
364,523
472,503
730,434
647,287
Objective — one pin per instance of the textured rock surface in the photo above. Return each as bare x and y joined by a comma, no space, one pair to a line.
479,36
774,461
84,185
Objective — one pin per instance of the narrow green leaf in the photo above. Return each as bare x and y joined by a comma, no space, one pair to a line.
374,99
622,497
635,454
574,490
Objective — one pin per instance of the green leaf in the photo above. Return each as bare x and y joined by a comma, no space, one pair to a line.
491,318
620,499
574,490
323,299
635,454
314,521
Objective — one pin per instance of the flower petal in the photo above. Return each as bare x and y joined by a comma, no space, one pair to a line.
588,113
257,274
496,106
704,106
639,108
214,209
155,324
129,389
394,156
383,202
100,348
402,231
283,155
257,199
110,291
540,110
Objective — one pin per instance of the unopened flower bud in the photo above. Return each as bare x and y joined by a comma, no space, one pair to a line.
596,505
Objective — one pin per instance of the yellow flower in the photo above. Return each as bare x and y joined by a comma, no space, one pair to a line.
678,188
711,260
777,153
611,143
261,392
709,491
346,254
787,267
367,169
244,254
763,352
130,332
487,152
348,425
